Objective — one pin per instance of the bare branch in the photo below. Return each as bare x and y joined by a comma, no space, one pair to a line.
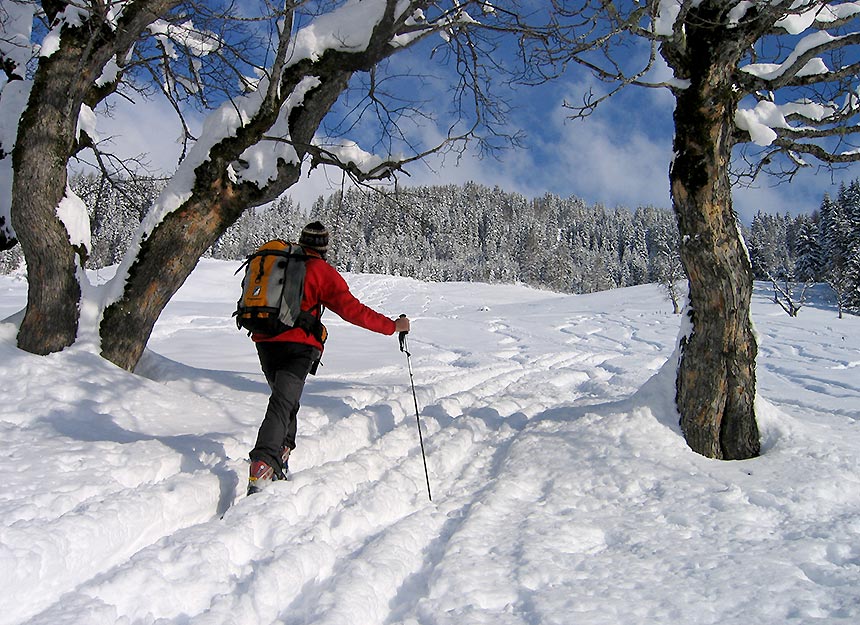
786,294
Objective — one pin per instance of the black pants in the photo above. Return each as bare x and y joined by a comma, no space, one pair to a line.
285,365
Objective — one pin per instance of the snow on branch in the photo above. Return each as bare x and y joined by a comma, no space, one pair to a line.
807,96
16,50
196,41
362,166
818,14
259,163
804,66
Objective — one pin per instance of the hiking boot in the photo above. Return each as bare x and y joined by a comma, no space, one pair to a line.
261,476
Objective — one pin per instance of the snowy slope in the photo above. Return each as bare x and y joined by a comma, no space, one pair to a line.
563,492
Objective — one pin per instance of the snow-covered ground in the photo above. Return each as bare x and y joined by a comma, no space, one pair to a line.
562,490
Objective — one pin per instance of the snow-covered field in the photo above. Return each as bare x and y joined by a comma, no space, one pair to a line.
562,490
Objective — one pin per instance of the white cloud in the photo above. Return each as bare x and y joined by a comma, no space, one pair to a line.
601,165
149,127
605,158
322,181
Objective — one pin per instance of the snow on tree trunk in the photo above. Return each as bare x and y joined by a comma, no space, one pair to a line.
716,376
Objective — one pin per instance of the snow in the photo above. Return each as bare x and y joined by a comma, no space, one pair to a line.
13,100
760,122
87,123
15,42
770,71
345,28
73,16
738,11
666,15
73,213
110,73
563,491
820,11
259,162
197,41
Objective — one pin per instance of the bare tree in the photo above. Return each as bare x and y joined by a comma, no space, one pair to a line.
666,267
837,279
670,280
294,67
788,294
773,84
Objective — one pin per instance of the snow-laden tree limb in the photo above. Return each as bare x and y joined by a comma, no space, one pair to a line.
268,82
798,85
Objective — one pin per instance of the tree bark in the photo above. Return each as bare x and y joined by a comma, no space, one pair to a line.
716,377
45,137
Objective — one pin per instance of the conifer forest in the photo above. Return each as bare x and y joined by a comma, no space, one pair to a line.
476,233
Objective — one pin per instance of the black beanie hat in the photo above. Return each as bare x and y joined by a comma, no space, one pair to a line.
315,236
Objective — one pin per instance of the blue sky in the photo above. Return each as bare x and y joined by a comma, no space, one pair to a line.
619,156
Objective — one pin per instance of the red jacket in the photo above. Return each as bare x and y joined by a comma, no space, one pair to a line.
325,286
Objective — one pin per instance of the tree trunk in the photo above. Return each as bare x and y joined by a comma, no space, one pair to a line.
172,250
716,378
165,260
42,149
45,142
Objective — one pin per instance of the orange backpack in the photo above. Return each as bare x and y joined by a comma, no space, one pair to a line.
272,291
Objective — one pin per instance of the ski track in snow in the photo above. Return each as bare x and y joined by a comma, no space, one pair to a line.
538,418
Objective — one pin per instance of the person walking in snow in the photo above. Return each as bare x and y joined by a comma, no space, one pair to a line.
288,358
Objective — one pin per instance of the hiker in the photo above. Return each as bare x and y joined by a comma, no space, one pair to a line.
288,357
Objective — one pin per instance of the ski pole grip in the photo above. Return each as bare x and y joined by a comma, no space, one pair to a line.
402,336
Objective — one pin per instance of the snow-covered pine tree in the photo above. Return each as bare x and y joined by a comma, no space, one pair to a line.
833,236
807,266
852,250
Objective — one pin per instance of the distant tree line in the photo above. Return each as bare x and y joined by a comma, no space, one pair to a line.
472,232
115,210
822,247
443,233
480,234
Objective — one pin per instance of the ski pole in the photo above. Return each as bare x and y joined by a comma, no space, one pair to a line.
405,349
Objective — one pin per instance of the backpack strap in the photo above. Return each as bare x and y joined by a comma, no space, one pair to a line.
312,324
307,320
259,253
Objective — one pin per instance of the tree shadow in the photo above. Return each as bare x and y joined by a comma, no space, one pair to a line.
87,425
161,369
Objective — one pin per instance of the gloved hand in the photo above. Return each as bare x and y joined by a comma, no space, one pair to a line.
401,324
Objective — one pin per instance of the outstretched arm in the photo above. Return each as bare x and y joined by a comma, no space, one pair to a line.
338,298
